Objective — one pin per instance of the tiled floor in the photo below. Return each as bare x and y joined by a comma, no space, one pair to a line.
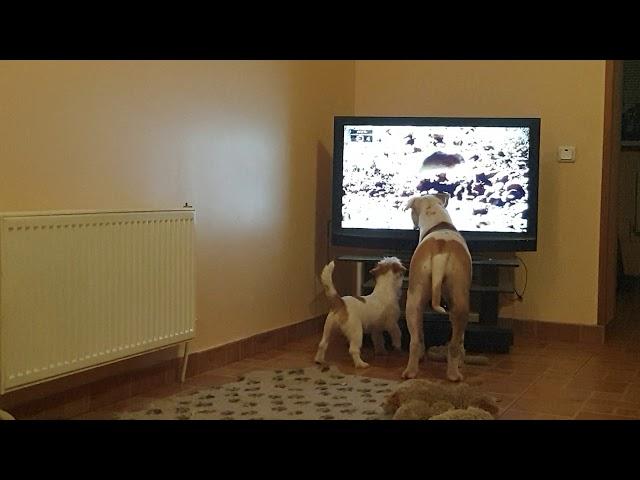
537,380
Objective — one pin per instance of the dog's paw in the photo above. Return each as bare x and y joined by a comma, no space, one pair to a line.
362,364
454,376
410,373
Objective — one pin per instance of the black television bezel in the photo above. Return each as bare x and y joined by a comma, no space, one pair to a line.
406,240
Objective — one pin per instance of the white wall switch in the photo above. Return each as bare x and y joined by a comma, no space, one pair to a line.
566,153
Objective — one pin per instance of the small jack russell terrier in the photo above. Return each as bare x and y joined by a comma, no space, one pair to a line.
440,267
374,314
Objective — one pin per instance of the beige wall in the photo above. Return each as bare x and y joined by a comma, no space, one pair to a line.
248,144
569,97
242,141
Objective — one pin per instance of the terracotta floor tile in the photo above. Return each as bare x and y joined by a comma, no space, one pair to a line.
552,380
268,355
552,399
513,366
597,385
632,396
525,377
620,376
561,407
629,412
616,397
515,414
509,388
616,407
566,366
586,415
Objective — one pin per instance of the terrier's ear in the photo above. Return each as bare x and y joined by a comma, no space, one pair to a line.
443,197
398,268
410,203
375,270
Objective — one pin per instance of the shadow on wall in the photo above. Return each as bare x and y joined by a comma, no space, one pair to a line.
323,207
314,96
322,218
344,274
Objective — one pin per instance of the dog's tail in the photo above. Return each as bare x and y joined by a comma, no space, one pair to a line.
335,302
438,264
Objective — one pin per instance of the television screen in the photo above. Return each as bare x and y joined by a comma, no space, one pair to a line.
487,166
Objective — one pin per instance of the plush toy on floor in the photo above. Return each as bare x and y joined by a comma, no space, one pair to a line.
425,400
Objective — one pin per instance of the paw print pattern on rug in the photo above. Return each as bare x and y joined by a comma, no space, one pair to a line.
311,393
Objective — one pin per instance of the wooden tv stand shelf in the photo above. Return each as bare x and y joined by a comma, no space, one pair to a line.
483,335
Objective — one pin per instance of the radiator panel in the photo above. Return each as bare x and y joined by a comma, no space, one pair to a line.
81,290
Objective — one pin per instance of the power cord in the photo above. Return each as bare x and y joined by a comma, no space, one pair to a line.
526,277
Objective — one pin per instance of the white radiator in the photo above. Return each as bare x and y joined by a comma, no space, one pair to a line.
81,289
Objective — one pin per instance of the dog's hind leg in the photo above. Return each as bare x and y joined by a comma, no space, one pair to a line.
459,316
324,342
396,336
353,331
414,312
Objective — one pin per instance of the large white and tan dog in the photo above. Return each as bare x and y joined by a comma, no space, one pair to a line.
374,314
440,267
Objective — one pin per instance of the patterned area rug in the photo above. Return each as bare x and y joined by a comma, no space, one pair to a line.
313,393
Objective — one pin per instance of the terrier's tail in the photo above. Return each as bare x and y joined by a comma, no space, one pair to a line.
335,302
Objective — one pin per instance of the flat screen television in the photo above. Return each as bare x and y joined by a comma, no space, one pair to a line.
488,166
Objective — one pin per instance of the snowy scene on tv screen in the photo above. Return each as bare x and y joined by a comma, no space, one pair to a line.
485,170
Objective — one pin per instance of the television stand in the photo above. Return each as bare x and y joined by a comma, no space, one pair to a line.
482,335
